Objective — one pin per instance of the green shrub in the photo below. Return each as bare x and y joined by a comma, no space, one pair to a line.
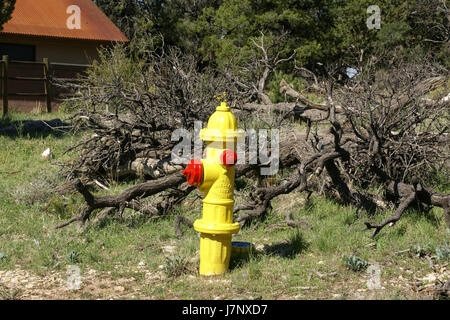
443,252
355,263
421,250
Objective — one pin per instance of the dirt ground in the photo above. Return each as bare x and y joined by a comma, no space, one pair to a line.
21,284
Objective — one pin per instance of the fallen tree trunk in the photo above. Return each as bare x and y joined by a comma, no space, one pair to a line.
147,167
385,137
293,147
124,199
285,88
288,108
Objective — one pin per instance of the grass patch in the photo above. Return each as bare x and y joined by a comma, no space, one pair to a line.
133,257
176,266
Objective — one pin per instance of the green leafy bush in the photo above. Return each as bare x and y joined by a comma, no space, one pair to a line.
355,263
443,252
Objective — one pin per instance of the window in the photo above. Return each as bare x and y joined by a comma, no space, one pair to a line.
19,52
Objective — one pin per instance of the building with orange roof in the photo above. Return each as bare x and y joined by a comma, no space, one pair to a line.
67,31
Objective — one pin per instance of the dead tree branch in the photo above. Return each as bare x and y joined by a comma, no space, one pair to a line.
124,199
177,224
398,213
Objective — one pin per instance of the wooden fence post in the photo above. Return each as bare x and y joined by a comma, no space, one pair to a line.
5,84
47,84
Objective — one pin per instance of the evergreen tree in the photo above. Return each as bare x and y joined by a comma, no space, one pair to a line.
6,9
316,30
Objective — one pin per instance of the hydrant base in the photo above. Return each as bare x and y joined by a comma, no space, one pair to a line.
215,253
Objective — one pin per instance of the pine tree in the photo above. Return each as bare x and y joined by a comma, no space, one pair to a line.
6,9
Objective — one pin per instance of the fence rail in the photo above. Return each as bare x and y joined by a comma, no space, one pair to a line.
38,63
60,64
47,67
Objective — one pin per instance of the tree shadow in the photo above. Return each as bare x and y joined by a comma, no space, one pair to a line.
288,248
239,261
309,205
418,212
33,128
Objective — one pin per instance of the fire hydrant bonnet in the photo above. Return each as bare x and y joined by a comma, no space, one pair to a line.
222,126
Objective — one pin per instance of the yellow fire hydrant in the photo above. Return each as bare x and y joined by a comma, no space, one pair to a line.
214,176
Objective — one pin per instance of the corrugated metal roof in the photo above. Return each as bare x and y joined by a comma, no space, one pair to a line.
48,18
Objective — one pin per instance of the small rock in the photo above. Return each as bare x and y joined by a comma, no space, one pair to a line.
224,281
358,296
46,154
304,288
259,247
169,249
431,277
119,289
195,259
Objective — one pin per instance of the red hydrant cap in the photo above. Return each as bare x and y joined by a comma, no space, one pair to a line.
228,158
194,172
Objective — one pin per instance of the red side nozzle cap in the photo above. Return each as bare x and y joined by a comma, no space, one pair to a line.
228,158
194,172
